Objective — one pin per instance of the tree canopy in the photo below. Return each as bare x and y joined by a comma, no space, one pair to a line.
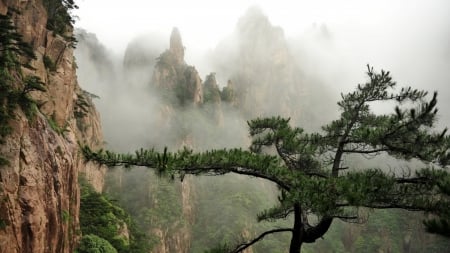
315,185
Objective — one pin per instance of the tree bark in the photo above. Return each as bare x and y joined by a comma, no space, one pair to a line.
301,235
297,231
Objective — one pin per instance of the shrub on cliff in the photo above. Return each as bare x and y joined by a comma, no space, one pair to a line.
102,217
95,244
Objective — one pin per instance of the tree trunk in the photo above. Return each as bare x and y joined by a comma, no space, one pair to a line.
297,233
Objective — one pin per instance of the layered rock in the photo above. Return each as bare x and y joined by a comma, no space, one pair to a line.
39,188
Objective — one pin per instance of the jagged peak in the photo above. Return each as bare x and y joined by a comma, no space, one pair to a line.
255,24
176,45
254,16
211,80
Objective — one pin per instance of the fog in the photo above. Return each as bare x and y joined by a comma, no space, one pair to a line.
331,40
288,58
132,111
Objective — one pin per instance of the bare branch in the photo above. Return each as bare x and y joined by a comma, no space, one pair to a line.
219,170
243,246
370,151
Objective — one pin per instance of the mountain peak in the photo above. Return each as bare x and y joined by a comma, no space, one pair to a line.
176,45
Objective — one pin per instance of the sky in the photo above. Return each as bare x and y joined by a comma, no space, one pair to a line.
204,22
411,38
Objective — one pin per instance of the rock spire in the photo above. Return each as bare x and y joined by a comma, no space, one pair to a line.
176,46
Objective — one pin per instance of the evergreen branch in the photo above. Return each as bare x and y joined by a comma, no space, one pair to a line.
216,162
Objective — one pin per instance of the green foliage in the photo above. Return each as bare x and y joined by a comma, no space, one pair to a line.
3,224
83,104
28,104
99,216
228,94
386,231
94,244
167,209
14,88
441,224
49,64
438,226
155,202
166,60
54,125
183,92
3,161
211,92
65,216
33,83
60,20
221,248
102,217
140,242
227,207
180,81
12,45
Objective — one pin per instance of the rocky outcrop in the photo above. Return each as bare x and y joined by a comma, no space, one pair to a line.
212,98
180,83
88,132
176,46
39,191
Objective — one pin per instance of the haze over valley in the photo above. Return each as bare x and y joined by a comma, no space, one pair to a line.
224,126
198,74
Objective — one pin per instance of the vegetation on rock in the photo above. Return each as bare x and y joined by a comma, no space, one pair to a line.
101,217
95,244
60,20
211,92
49,64
155,202
14,87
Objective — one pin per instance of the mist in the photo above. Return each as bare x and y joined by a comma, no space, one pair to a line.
292,60
132,111
331,42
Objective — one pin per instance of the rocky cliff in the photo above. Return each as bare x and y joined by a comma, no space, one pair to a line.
39,190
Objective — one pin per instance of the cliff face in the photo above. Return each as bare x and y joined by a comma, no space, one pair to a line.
177,237
39,191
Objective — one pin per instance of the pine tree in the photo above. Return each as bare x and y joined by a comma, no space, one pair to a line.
14,87
315,185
